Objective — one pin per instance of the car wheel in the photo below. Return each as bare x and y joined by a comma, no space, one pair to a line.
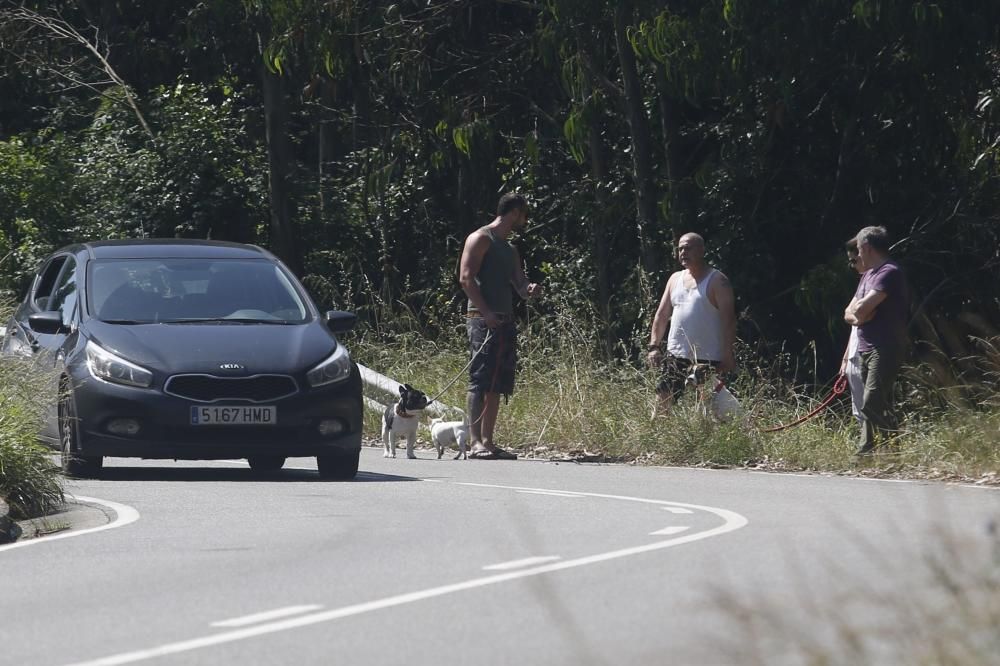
338,466
72,463
266,463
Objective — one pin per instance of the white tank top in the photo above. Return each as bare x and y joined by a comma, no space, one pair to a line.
695,324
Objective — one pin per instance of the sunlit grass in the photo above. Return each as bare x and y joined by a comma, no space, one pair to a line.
569,402
29,481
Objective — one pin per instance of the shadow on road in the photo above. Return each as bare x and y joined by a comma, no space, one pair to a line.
236,474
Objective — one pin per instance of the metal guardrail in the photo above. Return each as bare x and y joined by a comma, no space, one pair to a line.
390,387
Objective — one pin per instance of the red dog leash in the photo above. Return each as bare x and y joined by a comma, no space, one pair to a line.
839,387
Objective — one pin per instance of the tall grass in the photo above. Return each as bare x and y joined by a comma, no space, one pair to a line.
944,611
572,401
29,480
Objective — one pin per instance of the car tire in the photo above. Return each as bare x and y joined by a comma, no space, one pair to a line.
338,466
266,463
70,460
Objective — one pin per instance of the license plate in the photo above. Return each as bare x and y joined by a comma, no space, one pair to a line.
250,415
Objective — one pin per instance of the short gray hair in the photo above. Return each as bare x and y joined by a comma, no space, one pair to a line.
877,237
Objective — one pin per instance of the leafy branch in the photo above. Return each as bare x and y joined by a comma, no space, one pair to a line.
26,24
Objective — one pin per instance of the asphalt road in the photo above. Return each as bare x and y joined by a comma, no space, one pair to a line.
485,562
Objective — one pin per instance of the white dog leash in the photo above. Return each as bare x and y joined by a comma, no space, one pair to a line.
489,334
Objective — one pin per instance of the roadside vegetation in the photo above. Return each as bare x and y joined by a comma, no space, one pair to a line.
571,403
30,481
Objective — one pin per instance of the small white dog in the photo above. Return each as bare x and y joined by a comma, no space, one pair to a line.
712,395
445,433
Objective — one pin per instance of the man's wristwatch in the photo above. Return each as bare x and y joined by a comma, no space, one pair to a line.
653,348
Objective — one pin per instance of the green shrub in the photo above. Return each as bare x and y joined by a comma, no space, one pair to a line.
29,480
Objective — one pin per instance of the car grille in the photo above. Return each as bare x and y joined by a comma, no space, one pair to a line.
210,388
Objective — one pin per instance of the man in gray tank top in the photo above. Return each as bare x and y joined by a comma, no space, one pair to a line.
489,268
699,305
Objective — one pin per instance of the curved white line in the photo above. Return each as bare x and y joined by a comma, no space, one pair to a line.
124,515
732,521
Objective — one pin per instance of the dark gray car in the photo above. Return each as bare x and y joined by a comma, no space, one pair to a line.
188,350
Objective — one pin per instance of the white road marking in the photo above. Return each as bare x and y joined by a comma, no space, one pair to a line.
517,564
667,531
124,515
731,521
709,469
266,615
677,509
552,493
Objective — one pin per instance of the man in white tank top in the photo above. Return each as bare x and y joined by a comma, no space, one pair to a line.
699,305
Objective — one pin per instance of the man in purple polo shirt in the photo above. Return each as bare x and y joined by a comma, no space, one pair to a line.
879,310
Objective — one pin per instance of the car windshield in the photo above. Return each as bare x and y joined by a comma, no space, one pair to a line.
143,291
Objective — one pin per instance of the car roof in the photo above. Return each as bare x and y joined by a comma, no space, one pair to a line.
172,248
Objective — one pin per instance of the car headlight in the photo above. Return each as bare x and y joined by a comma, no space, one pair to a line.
336,367
111,368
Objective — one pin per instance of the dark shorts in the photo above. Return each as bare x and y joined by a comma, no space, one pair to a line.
675,371
492,368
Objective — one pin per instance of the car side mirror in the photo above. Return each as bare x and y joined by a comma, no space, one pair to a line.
48,322
340,321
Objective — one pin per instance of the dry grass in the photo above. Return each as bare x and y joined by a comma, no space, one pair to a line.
570,403
946,613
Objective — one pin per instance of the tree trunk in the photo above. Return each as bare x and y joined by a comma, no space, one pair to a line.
599,235
325,148
642,161
278,161
679,186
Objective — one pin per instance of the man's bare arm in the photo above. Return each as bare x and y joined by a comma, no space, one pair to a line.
662,317
519,280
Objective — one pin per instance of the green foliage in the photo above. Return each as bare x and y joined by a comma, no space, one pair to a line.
777,131
199,179
35,205
29,480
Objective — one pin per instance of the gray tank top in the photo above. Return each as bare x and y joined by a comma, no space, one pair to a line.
495,274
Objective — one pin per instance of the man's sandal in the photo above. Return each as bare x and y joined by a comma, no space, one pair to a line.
482,454
496,454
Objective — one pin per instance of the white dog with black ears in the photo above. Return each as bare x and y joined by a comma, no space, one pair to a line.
401,420
445,433
713,397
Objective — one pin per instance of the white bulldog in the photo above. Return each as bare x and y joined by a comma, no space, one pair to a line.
445,433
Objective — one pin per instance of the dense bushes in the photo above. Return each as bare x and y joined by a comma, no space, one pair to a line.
29,479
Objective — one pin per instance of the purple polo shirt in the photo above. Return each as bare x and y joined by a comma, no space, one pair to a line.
887,327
